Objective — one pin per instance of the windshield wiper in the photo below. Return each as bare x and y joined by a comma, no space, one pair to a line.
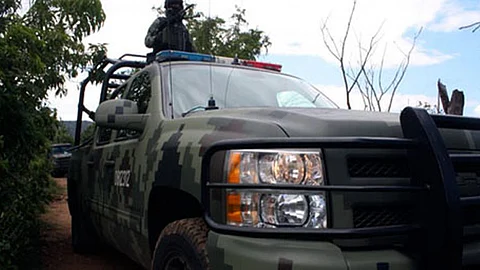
193,109
211,106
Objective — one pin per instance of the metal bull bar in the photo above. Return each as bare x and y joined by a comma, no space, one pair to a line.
438,236
116,64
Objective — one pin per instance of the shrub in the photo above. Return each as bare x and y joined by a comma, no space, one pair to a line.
25,184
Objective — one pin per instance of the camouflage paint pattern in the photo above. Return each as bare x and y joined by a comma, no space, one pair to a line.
169,153
233,253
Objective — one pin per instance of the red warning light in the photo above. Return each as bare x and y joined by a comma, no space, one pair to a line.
255,64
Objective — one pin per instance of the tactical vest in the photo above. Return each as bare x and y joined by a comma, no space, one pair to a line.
175,37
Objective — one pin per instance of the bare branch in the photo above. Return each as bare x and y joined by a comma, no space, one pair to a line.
349,23
369,75
476,28
397,74
339,55
363,62
342,66
476,25
365,75
369,79
380,86
363,93
407,62
326,34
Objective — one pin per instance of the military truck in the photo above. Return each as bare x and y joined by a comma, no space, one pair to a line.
60,156
206,162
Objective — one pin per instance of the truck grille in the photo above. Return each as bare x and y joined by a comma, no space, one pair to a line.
63,162
375,216
378,167
468,176
468,180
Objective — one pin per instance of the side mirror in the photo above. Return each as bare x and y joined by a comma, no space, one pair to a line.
120,114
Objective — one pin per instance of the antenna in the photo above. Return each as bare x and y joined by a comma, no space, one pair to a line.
211,53
170,78
211,102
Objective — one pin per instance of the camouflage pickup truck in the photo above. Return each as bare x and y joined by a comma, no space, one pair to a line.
204,162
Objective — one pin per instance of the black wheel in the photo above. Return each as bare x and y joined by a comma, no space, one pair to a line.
182,245
84,241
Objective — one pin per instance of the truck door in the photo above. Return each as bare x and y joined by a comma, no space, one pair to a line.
124,192
101,170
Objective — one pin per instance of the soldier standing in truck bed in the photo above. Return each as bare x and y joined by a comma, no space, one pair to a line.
169,33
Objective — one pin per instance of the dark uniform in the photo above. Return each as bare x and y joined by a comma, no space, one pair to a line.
169,33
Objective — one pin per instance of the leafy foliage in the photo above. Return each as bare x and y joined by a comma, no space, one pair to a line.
215,36
87,133
40,48
430,108
61,134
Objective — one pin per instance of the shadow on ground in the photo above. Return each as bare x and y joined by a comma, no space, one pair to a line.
57,251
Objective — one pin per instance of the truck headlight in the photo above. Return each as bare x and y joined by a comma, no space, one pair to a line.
275,208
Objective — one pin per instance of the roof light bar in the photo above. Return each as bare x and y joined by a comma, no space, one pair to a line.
171,55
186,56
264,65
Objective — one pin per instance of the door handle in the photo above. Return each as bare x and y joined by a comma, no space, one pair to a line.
109,162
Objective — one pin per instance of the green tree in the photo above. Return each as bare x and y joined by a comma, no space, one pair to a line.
215,36
88,133
40,48
61,134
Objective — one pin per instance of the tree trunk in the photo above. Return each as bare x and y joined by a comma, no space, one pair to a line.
442,92
457,103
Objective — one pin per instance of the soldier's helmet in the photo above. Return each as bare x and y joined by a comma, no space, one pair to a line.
174,4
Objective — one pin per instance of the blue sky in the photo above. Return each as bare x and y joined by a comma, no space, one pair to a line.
442,51
461,72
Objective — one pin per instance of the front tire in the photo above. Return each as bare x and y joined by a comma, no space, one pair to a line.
182,245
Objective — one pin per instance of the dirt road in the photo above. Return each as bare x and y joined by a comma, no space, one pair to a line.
57,251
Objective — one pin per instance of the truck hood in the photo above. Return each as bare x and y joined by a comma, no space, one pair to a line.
59,156
319,122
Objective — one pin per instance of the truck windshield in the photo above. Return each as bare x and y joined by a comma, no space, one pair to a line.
232,87
60,149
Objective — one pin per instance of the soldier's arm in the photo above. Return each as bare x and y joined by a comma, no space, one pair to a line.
153,31
189,45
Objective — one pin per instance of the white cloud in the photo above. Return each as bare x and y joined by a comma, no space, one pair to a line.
294,28
477,110
67,106
125,26
453,16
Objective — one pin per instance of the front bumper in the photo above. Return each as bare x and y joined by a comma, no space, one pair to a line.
236,252
61,165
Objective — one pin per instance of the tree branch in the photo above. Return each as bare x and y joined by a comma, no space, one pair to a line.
362,62
476,25
380,86
326,33
407,62
342,66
